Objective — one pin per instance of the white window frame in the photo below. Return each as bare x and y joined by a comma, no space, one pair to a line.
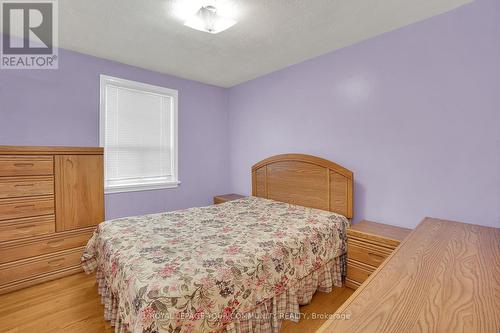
106,80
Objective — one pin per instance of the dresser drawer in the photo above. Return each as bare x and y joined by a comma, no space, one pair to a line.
352,284
26,165
26,207
15,187
27,227
367,253
358,271
21,249
24,269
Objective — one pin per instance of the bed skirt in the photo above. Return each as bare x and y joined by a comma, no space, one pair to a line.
267,316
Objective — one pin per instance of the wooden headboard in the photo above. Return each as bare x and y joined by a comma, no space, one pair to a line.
304,180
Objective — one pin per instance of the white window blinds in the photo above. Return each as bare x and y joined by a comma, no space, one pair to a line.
139,135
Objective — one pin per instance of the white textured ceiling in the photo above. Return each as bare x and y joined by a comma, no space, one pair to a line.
269,35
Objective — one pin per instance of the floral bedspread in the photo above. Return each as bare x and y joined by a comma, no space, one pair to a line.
197,269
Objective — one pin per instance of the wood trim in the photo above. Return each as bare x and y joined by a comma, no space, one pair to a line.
352,284
305,180
377,233
362,265
350,196
266,190
305,158
48,150
329,193
372,241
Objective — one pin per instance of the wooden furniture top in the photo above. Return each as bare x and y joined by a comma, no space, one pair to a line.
227,197
383,234
304,180
444,277
45,150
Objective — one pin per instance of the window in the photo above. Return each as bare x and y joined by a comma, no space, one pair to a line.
138,130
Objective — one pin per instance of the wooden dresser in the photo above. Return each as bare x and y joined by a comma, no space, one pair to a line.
368,245
444,277
51,198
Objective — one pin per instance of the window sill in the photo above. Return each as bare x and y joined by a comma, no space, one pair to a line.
137,188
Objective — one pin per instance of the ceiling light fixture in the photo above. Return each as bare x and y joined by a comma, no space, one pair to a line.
206,19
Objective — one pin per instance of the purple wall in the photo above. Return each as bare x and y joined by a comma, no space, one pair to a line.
414,113
61,107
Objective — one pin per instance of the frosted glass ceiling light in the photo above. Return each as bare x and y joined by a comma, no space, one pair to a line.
206,19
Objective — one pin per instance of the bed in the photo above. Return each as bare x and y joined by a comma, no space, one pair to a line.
241,266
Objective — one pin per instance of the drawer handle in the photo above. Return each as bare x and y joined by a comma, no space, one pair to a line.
24,185
25,228
24,206
55,262
24,164
55,243
375,255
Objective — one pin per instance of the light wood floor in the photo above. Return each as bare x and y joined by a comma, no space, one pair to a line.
72,305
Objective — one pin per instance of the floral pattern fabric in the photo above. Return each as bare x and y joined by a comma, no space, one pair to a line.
196,270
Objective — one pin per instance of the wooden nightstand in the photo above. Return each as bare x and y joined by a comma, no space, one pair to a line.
226,197
368,245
